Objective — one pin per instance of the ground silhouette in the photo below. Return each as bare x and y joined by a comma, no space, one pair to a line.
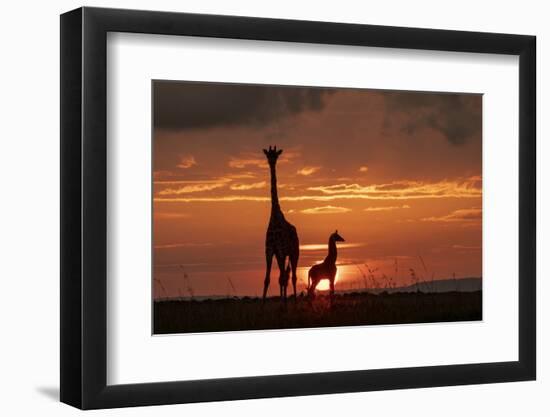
350,309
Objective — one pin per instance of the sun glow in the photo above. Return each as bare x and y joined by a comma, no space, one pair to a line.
324,285
324,246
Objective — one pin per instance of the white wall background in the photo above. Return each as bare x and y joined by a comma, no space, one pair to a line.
29,225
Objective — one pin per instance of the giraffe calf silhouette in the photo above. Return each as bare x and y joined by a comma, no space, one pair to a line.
326,269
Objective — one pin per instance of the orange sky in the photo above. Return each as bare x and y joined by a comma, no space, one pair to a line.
397,173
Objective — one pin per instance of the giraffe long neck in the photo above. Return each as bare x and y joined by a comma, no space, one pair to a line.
332,252
274,197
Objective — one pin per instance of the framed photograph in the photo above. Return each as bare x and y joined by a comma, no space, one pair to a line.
258,208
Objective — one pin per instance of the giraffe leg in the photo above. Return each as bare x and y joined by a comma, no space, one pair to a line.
294,265
281,285
331,292
281,263
268,261
314,282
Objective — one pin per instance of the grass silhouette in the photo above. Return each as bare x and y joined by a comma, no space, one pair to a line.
350,309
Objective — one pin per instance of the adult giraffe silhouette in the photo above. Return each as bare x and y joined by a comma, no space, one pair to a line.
281,239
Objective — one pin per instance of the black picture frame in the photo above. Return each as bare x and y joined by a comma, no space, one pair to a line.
84,207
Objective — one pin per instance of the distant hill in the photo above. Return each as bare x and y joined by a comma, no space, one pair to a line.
435,286
443,285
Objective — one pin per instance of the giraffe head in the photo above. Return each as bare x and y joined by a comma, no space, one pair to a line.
272,154
336,237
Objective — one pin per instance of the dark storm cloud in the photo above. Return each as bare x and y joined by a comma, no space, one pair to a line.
456,116
191,105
